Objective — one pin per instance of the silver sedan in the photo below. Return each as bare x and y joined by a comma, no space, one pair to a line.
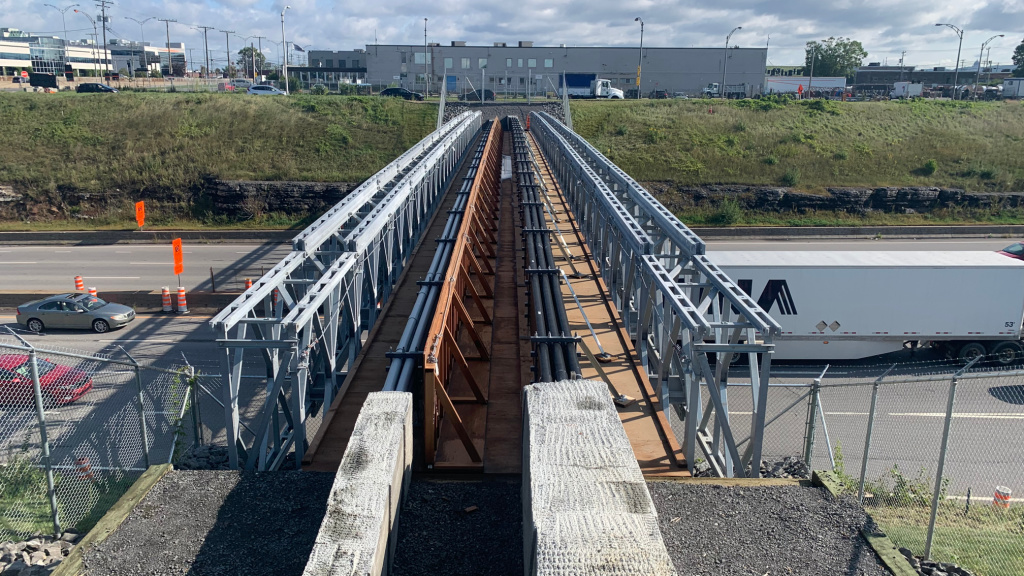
74,310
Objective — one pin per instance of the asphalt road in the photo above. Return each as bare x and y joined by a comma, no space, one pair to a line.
134,266
955,244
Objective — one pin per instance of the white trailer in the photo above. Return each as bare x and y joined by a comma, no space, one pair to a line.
1013,88
849,305
905,90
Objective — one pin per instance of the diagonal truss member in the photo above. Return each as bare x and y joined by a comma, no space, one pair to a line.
681,311
302,324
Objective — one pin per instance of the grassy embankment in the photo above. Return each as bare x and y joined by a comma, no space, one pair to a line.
811,146
166,144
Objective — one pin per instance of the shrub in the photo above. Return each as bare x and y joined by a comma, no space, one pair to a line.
988,173
740,127
770,160
621,130
841,154
318,90
655,135
791,178
929,167
727,214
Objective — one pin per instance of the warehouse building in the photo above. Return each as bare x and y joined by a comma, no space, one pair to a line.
525,68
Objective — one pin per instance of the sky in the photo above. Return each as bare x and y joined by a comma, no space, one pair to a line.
885,28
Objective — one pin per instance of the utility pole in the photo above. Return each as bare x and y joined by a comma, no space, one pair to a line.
206,46
259,46
902,55
639,61
167,26
227,39
102,5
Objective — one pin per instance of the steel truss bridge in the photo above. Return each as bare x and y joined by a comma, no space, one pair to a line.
305,321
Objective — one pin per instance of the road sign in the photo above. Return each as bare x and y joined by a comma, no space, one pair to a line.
179,263
24,73
800,89
140,213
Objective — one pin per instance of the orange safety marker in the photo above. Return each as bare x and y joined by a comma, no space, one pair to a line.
92,292
248,283
527,122
1002,497
276,296
165,294
84,468
79,283
182,303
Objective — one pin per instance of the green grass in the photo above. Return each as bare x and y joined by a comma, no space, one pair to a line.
987,541
975,146
147,142
728,214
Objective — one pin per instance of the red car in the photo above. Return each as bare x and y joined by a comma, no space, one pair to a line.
1015,250
59,384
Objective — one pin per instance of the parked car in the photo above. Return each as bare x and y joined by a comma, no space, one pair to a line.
1015,250
265,90
74,310
59,384
92,87
474,96
658,94
401,93
19,80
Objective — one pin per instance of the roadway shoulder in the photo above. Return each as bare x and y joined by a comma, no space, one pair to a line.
106,237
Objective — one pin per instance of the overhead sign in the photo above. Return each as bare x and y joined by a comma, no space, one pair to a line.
179,262
140,213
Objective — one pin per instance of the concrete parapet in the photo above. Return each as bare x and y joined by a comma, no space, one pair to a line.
586,508
358,533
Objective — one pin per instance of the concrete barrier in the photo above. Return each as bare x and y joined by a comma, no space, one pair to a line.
586,508
823,232
357,536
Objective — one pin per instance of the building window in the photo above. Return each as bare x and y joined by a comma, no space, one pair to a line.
418,58
448,63
520,63
330,63
522,81
531,63
404,58
465,63
481,63
508,62
341,64
549,63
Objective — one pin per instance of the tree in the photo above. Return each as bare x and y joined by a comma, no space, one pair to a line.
245,61
1018,60
835,57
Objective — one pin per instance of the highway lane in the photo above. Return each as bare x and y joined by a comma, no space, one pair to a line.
896,244
133,266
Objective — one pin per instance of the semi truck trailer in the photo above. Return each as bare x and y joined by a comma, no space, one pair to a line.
852,305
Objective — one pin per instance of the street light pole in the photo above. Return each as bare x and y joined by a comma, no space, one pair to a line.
640,58
94,36
725,60
144,61
977,79
167,28
227,40
64,22
284,49
426,71
956,69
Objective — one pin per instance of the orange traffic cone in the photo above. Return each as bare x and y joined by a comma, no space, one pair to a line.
79,283
165,295
182,303
248,283
84,468
92,292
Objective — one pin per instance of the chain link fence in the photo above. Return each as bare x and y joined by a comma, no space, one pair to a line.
937,459
77,429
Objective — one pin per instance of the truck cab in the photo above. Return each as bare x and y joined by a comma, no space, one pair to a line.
601,88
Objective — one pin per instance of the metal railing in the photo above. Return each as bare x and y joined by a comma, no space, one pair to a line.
77,429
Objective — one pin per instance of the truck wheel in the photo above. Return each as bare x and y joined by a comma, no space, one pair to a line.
1008,353
970,351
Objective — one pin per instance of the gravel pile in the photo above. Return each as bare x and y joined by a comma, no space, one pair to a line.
792,531
933,568
216,458
37,556
460,529
218,523
787,467
490,110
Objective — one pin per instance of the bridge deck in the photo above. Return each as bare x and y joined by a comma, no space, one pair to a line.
655,446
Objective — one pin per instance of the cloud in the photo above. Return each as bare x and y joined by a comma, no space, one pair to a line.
885,28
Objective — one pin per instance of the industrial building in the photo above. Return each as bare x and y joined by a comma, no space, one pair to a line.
527,69
875,74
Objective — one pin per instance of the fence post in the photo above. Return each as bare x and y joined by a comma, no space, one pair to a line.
44,442
142,413
942,457
193,384
867,435
813,407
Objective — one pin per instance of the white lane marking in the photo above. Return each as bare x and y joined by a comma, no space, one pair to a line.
149,263
124,251
994,415
846,413
18,262
143,340
113,277
69,251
